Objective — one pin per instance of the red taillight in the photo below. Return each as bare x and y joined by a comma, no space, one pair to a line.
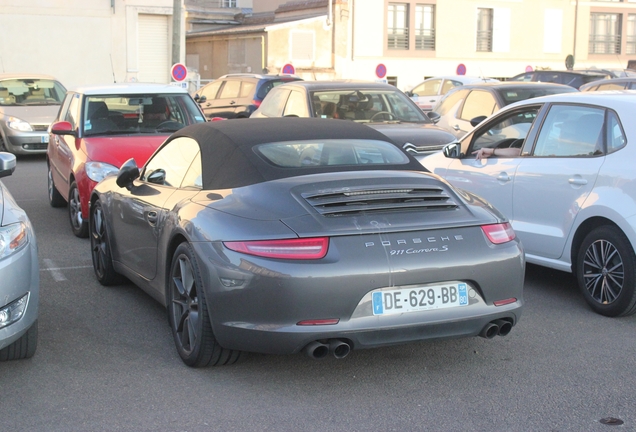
332,321
499,233
297,249
256,103
504,302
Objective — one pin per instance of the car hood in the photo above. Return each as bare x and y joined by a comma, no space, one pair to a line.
424,137
350,203
116,150
34,114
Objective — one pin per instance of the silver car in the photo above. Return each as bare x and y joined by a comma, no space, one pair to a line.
19,275
28,105
561,168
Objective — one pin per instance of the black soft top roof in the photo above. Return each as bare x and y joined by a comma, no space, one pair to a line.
229,161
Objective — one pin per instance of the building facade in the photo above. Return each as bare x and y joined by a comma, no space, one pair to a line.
406,41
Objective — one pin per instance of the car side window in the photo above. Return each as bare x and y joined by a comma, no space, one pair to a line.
616,138
571,131
72,116
247,88
449,101
169,165
230,89
296,105
525,77
194,177
509,131
272,105
449,84
210,90
611,86
428,88
478,103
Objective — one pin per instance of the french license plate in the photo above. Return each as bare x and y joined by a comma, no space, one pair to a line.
419,299
44,139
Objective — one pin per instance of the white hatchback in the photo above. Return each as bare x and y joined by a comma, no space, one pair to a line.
561,168
427,93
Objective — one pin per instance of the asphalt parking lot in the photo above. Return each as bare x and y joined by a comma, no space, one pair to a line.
106,361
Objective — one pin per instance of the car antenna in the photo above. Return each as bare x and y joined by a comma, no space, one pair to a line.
112,68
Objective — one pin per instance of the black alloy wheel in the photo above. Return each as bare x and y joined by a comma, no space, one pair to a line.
188,314
100,248
606,273
78,224
55,197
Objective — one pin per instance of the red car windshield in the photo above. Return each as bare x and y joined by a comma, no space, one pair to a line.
139,114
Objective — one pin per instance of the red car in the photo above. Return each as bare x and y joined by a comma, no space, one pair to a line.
99,128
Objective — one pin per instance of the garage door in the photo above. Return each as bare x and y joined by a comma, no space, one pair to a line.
154,48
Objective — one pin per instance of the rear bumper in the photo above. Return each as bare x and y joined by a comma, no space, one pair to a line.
361,334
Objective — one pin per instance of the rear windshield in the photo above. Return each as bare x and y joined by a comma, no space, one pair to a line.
140,113
31,92
297,154
514,95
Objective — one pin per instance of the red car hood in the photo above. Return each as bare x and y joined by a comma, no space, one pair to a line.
116,150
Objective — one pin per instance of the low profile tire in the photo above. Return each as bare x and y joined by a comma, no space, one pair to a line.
24,347
55,197
100,248
188,314
78,224
606,272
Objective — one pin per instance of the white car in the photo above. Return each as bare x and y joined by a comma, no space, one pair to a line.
563,173
427,93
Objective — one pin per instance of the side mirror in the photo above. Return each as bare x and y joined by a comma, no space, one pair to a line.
7,164
201,99
453,150
158,176
433,116
127,174
62,128
476,120
409,93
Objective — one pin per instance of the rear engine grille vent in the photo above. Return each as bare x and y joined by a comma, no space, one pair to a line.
349,202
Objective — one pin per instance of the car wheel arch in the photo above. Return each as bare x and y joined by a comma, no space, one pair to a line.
583,230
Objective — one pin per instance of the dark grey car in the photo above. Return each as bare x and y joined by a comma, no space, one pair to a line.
380,106
288,235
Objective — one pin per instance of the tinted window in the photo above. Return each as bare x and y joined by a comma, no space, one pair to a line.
478,103
523,77
331,153
571,130
266,86
272,106
550,77
171,162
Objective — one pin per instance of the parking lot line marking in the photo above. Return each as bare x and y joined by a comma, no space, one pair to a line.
56,272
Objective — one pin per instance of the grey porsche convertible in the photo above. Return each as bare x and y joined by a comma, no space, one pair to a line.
287,235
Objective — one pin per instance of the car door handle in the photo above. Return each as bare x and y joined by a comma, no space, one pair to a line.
456,127
577,181
232,102
503,177
152,217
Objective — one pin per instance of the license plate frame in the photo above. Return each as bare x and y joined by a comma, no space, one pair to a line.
419,298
